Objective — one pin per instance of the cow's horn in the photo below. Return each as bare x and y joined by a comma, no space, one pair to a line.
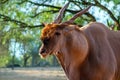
78,14
60,15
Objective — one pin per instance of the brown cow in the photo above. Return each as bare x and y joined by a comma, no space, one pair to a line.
88,53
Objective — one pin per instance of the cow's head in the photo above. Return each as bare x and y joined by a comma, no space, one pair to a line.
53,34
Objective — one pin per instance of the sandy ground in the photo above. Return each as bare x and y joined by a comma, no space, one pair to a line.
32,74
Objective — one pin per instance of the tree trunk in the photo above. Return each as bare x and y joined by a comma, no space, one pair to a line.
25,60
13,57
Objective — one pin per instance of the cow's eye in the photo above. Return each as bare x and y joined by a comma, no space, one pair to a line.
46,41
57,33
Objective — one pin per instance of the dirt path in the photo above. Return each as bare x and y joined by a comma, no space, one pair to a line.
32,74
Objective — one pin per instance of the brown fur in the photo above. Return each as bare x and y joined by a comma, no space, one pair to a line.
88,53
48,29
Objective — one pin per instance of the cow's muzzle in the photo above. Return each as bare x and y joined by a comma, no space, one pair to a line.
42,53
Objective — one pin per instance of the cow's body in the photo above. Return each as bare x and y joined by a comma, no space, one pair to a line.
105,45
108,41
102,59
91,52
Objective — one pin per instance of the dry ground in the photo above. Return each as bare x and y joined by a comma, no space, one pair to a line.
32,74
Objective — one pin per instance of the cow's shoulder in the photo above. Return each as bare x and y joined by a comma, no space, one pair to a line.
95,29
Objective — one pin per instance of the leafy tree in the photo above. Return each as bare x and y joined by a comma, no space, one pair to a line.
21,21
4,59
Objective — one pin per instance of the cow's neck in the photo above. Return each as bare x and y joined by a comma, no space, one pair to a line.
73,52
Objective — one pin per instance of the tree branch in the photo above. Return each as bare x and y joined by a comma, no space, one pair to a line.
3,1
42,4
51,11
54,11
22,2
47,5
91,16
20,23
105,9
24,25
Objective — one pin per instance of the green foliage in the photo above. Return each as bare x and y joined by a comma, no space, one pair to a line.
115,28
17,15
4,59
115,1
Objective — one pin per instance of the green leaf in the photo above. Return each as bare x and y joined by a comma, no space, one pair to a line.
117,1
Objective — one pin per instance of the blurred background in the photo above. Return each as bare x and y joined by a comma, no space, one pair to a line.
21,24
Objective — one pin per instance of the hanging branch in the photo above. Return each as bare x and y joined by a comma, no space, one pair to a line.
20,23
48,11
107,10
83,2
3,1
54,11
98,4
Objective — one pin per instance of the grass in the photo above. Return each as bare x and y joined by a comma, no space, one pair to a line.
32,74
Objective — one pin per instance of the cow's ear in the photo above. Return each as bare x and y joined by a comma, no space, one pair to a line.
43,24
